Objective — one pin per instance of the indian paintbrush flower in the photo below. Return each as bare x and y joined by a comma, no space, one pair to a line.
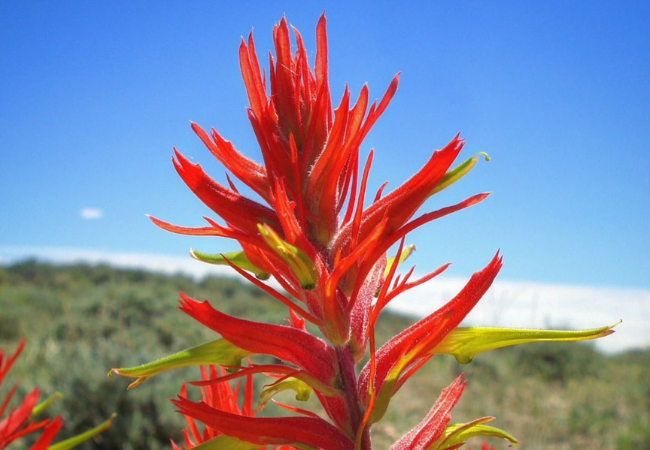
311,230
23,419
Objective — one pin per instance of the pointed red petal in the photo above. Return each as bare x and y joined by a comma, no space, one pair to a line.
403,202
11,360
433,426
295,409
405,286
250,70
287,343
250,172
243,213
293,308
48,434
192,231
306,431
391,239
18,417
285,96
418,339
7,399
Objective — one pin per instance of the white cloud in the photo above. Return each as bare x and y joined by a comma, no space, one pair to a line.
91,213
168,264
506,304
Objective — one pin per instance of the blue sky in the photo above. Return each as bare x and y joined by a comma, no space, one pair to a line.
94,95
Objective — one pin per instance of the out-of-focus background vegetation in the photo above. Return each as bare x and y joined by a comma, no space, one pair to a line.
82,320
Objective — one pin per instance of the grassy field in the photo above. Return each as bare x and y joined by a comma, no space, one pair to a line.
82,320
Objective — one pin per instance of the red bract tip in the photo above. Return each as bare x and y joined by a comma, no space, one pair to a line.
414,343
433,426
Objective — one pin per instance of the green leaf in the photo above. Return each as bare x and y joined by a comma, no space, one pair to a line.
220,352
465,343
83,437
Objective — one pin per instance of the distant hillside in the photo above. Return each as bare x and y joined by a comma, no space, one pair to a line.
82,320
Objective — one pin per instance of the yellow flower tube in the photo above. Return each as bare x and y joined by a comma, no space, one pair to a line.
465,343
83,437
220,352
239,259
457,434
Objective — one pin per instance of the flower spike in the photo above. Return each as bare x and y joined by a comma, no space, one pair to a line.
328,248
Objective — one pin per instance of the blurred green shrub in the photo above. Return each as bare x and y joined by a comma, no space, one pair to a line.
81,320
558,362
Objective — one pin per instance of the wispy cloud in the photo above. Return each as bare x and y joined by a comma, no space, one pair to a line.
169,264
91,213
507,303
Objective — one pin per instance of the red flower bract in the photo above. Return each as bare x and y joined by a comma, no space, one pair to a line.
19,421
287,343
